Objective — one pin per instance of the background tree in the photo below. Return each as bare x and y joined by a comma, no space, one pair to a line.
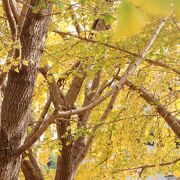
99,99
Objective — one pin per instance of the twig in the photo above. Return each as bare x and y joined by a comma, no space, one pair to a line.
147,166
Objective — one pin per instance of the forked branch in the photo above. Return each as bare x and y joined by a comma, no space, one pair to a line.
131,68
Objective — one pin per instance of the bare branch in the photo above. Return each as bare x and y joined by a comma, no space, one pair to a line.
57,99
117,88
90,97
96,81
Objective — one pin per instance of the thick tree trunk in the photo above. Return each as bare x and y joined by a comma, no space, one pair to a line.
19,92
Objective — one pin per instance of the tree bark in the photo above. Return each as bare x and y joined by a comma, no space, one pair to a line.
29,171
19,92
64,166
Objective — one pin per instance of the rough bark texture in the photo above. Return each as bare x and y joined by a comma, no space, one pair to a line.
19,92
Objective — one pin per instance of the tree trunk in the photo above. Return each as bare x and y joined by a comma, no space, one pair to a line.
64,163
19,92
28,170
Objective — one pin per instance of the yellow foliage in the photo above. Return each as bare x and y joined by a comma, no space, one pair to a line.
130,21
6,68
157,8
136,2
177,8
42,98
177,173
154,7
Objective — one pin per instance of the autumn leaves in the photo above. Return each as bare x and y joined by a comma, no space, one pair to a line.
133,15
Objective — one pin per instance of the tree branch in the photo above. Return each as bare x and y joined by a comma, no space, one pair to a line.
152,62
35,164
148,166
94,42
172,121
10,16
157,63
74,89
15,9
78,144
35,136
41,118
29,171
82,154
22,18
130,69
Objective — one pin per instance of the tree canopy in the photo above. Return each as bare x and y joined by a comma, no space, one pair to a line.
105,102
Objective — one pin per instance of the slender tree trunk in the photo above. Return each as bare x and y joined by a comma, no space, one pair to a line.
28,170
19,92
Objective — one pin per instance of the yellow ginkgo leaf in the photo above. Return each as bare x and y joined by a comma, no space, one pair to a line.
25,62
177,173
42,98
156,7
178,48
55,68
136,2
16,70
130,21
6,68
176,4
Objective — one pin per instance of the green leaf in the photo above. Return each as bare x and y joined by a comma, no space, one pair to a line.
109,18
130,21
82,1
39,5
60,5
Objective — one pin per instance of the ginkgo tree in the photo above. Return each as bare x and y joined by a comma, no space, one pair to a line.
89,89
